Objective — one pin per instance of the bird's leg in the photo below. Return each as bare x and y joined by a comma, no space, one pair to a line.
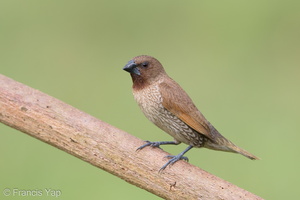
176,158
157,144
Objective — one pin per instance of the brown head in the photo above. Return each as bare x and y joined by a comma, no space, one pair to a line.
144,70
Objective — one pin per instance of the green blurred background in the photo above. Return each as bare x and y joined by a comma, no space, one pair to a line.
238,60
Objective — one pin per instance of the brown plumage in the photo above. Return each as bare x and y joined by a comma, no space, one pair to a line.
169,107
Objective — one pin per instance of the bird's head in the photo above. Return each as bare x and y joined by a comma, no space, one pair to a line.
144,70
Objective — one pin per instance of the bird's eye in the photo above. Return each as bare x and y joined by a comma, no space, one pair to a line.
145,64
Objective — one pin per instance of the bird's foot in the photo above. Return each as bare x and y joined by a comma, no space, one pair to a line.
151,144
156,144
173,159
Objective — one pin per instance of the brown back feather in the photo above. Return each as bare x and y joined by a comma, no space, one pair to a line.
177,101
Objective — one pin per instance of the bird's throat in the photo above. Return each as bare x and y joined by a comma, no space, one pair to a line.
138,82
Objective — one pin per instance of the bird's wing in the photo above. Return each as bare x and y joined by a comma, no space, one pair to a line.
177,101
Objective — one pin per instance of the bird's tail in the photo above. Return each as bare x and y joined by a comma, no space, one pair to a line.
225,145
243,152
222,144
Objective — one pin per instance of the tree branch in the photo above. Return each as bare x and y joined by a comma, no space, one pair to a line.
106,147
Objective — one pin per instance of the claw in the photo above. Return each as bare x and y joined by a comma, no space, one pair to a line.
156,144
173,160
182,158
151,144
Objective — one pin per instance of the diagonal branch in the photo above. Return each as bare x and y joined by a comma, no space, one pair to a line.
106,147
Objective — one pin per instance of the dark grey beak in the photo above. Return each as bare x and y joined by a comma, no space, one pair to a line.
131,67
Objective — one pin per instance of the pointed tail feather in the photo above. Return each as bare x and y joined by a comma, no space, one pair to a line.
222,144
244,152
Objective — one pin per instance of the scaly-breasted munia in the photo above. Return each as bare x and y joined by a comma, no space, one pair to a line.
169,107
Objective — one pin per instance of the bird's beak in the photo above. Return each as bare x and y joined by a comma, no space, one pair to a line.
131,67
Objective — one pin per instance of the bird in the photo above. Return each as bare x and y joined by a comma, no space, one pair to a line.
169,107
